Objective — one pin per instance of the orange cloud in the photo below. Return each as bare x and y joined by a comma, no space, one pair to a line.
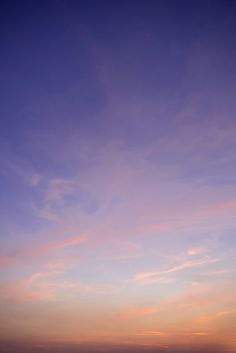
162,280
29,289
21,292
213,316
37,287
132,313
152,333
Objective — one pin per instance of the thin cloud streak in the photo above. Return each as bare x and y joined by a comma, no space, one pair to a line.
148,277
34,252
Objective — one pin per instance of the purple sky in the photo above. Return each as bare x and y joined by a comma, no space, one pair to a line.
118,175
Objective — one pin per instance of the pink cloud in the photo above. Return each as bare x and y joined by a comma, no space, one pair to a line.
218,272
152,276
32,251
195,251
67,242
39,275
76,287
162,280
6,260
221,208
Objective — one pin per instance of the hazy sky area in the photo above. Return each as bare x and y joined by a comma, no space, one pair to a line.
118,176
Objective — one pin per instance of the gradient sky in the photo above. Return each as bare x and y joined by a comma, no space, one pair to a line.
118,176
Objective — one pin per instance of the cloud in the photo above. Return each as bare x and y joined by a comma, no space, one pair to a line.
66,243
162,280
25,173
221,208
33,251
53,195
195,251
151,277
6,260
217,272
135,312
46,213
40,287
35,179
57,265
39,275
73,241
76,287
212,316
152,333
57,189
28,289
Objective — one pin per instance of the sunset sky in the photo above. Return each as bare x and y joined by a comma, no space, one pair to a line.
118,176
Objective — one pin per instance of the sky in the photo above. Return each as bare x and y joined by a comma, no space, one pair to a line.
118,176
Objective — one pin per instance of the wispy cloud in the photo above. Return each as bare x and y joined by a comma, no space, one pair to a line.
152,276
31,251
41,286
41,275
27,175
54,246
135,312
35,179
57,189
66,243
6,260
28,289
156,279
218,272
213,316
196,251
152,333
53,196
